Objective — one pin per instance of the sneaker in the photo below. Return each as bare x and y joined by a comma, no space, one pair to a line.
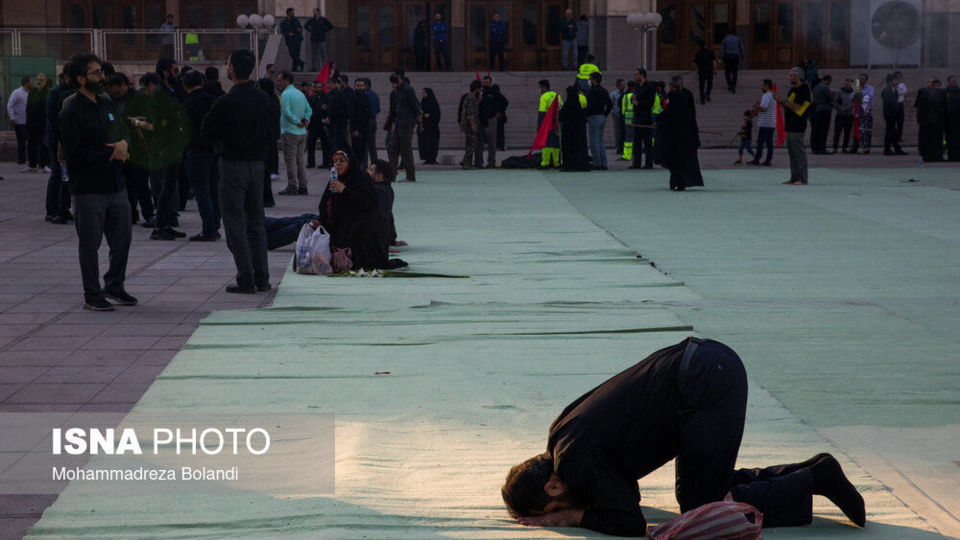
766,164
241,290
738,162
264,288
274,177
49,218
754,162
302,191
161,234
175,233
203,237
60,220
901,153
28,170
100,304
287,191
47,170
149,223
120,297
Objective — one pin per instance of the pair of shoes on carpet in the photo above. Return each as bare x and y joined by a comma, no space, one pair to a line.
236,289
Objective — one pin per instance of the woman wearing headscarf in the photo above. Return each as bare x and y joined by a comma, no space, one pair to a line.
573,133
348,211
428,137
678,132
273,160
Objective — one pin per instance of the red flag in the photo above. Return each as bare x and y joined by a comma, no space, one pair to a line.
324,75
478,75
781,129
549,124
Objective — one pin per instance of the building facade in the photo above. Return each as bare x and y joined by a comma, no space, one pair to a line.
379,34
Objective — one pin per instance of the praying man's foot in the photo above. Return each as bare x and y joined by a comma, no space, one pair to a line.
829,481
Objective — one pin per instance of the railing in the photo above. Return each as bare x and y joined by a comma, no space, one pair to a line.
128,46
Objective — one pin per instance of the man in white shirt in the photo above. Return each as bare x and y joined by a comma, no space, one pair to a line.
767,123
866,113
17,111
901,96
618,117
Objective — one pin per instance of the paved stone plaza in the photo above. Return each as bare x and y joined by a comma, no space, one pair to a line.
841,297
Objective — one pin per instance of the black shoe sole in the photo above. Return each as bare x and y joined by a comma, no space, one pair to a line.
238,290
119,301
91,307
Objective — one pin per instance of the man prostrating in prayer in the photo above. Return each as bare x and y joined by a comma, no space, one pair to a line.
687,401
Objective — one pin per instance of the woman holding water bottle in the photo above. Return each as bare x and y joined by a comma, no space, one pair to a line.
348,211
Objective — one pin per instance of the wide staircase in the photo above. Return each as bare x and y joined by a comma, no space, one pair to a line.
719,120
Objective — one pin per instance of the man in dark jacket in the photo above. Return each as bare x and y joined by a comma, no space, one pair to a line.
293,37
237,125
94,143
931,105
687,401
133,109
891,111
338,116
820,120
315,130
490,105
359,121
212,84
318,26
168,122
404,118
201,163
953,118
643,97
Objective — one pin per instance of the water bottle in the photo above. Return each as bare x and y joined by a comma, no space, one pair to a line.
333,174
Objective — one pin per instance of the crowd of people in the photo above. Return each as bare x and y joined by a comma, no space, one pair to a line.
118,154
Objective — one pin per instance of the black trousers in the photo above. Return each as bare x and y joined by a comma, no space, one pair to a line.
99,215
731,65
931,142
713,389
890,134
358,149
23,136
312,137
167,201
953,142
37,155
820,128
241,202
642,145
58,196
496,52
138,190
706,84
842,124
900,125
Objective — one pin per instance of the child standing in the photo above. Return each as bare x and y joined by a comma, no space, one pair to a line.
746,135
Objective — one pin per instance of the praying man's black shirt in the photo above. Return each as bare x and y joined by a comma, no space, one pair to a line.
615,434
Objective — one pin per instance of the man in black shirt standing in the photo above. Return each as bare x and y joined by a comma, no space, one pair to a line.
404,118
706,63
201,163
796,105
643,97
238,127
92,135
687,401
598,107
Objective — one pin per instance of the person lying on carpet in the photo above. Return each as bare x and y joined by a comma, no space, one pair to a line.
687,401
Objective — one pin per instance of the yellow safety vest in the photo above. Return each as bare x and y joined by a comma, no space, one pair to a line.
627,107
586,70
546,99
191,39
583,101
657,107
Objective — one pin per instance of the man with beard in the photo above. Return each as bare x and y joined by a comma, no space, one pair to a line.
470,123
687,401
315,131
201,163
677,130
953,119
293,37
167,122
95,147
796,106
134,109
58,196
359,121
845,104
643,96
489,109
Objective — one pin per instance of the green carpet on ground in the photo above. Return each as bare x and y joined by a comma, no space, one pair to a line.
554,304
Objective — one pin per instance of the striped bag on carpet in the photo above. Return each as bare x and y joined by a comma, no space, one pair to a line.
724,520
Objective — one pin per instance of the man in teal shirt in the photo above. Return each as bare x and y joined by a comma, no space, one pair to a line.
295,115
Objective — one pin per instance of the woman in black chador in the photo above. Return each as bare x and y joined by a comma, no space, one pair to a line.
678,133
428,139
348,211
573,133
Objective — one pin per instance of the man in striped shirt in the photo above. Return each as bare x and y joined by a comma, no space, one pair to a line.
767,123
